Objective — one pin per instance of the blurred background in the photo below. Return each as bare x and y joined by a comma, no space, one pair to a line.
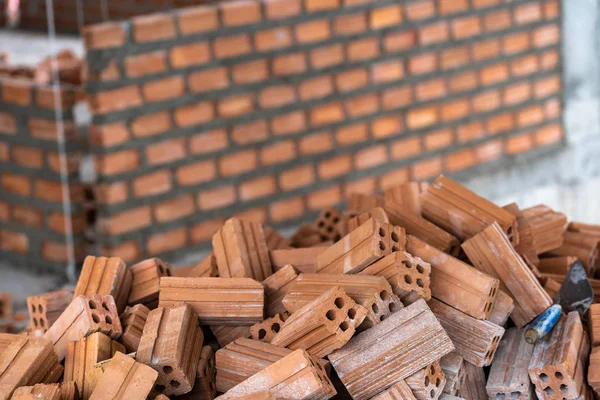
135,128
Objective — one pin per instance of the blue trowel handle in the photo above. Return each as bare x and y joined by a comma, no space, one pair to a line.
543,324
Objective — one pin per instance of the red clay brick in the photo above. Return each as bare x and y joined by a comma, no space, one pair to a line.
515,43
208,142
422,117
286,209
117,162
198,172
258,187
278,152
362,105
455,109
277,9
530,116
321,5
102,36
14,241
519,143
190,54
315,143
422,63
175,208
433,33
289,64
552,108
528,13
116,99
250,132
420,10
277,96
466,27
525,65
487,101
258,214
430,90
327,114
547,86
4,152
127,251
546,36
364,186
484,3
296,177
208,80
396,97
151,124
470,131
204,230
27,216
452,6
271,39
551,9
462,82
56,222
370,157
16,92
164,89
28,156
352,79
497,20
152,184
312,31
52,191
455,57
387,71
399,41
426,169
384,17
320,199
386,126
237,163
126,221
8,124
549,60
517,93
350,24
327,56
153,27
488,151
165,151
438,139
146,64
549,134
335,166
240,12
249,72
486,49
4,211
111,193
166,241
193,114
501,123
350,134
362,49
285,124
231,46
460,160
313,88
216,198
494,74
235,106
198,19
394,178
405,148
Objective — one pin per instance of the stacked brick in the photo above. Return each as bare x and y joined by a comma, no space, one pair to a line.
274,110
33,228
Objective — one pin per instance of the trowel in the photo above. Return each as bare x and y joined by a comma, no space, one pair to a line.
575,294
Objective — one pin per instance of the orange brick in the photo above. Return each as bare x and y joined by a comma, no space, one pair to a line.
111,193
470,131
525,65
165,151
174,208
426,169
320,5
258,214
552,108
163,89
249,72
519,143
497,20
216,198
198,19
16,92
153,27
231,46
152,183
277,9
289,64
487,101
335,166
146,64
350,134
489,151
240,12
396,97
193,114
117,162
364,186
455,57
151,124
350,24
237,163
362,105
105,35
386,126
547,86
324,198
433,33
286,209
549,60
528,13
466,27
352,79
277,96
420,10
4,152
432,89
551,9
285,124
370,157
126,221
207,142
486,49
517,93
452,6
362,49
515,43
484,3
500,123
8,124
72,162
387,71
462,82
546,36
189,54
258,187
115,99
327,56
208,80
384,17
56,222
277,153
4,211
166,241
394,178
250,132
530,116
271,39
460,160
548,134
455,109
27,216
422,117
236,105
28,156
52,191
204,230
312,31
315,143
326,114
127,251
422,63
438,139
191,174
399,41
494,74
405,148
14,241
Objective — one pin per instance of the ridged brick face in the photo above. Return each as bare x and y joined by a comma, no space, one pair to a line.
274,109
32,224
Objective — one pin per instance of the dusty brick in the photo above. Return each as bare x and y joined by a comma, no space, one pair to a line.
208,80
487,101
102,36
494,74
15,184
452,6
386,126
174,208
277,153
151,124
320,199
312,88
422,63
517,93
362,105
399,41
405,148
289,64
350,134
166,241
238,163
216,198
163,89
362,49
387,71
460,160
284,124
438,139
486,49
326,114
145,64
327,56
384,17
194,114
30,157
352,79
277,96
396,97
430,90
370,157
426,169
165,151
462,81
455,57
152,184
240,12
335,166
277,9
250,132
315,143
422,117
231,46
27,216
470,131
153,27
286,209
191,174
189,54
350,24
126,221
312,31
528,13
271,39
14,241
256,188
208,142
236,105
198,19
433,33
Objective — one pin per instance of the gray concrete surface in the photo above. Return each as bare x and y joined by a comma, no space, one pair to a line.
29,48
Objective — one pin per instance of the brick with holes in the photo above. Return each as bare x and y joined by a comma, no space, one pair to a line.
378,213
41,391
277,286
594,324
508,377
327,224
205,268
547,227
84,316
303,259
83,355
171,344
558,364
145,282
226,334
407,195
124,379
217,301
475,340
374,293
502,308
399,391
456,283
427,383
322,325
133,321
408,276
584,246
266,330
44,309
453,366
205,383
105,276
526,246
473,387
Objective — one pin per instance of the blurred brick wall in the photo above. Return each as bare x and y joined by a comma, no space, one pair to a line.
32,227
272,110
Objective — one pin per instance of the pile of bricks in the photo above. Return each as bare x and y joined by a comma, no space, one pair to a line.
408,294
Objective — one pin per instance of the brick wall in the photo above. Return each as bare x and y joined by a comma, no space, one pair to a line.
272,110
32,227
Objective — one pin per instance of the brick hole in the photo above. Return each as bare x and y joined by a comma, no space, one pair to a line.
92,304
544,377
432,393
515,395
330,315
426,381
381,232
40,309
96,318
381,246
407,263
385,296
500,396
558,375
327,214
42,323
548,390
336,220
321,224
275,327
337,237
420,283
432,370
437,382
330,229
382,317
395,248
167,369
392,307
420,269
262,333
169,272
32,307
339,302
407,279
161,269
564,388
35,322
375,308
509,231
344,326
351,313
492,292
105,306
395,237
212,386
159,388
108,319
174,384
